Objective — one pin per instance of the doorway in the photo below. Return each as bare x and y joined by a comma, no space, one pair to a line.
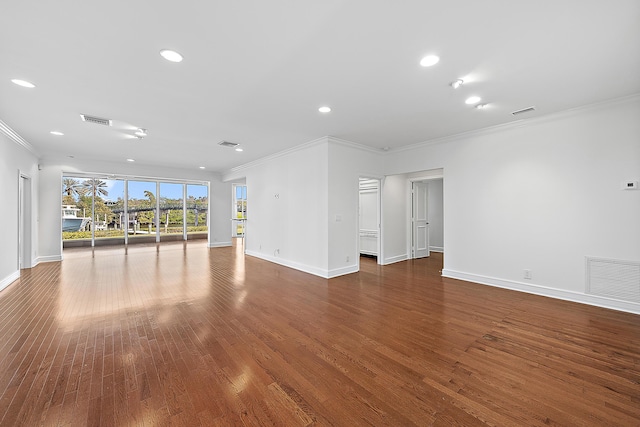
369,218
24,219
419,219
425,231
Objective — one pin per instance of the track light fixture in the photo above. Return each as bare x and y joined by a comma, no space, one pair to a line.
140,133
456,84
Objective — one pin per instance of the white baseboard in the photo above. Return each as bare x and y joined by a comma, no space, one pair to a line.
394,259
49,258
582,298
219,244
9,279
436,249
325,274
342,271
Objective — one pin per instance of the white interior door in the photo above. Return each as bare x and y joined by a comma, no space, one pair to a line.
420,225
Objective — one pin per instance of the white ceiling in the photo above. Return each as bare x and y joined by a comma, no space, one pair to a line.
255,72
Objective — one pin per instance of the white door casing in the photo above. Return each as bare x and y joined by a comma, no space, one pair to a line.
419,220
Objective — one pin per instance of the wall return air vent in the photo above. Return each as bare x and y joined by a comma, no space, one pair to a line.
96,120
523,111
228,144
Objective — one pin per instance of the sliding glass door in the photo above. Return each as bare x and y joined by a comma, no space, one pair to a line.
118,210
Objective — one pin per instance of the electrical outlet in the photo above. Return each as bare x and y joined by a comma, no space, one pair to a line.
527,274
347,258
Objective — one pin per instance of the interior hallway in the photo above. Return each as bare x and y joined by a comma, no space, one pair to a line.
194,336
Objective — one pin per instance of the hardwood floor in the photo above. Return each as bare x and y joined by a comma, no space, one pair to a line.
179,334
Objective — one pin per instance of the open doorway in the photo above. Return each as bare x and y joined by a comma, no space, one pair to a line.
24,226
239,214
369,219
426,213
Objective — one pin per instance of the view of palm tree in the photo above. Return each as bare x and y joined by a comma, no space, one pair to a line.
89,212
95,187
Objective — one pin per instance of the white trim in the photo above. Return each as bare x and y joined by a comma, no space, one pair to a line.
265,159
436,249
292,264
49,258
355,145
9,279
578,297
342,271
517,123
219,244
123,177
303,146
15,137
394,259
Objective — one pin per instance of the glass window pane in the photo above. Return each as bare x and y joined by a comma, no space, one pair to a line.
240,209
171,217
76,210
109,210
197,209
142,207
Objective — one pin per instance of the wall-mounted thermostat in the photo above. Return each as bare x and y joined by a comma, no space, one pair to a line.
630,185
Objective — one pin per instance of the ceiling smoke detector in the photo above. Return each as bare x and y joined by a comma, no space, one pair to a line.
523,111
96,120
228,144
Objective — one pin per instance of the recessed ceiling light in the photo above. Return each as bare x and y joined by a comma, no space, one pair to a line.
56,132
23,83
141,133
457,83
429,60
201,167
482,106
130,160
473,100
324,109
171,55
239,149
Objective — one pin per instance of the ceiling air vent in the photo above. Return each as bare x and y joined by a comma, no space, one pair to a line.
523,111
228,144
96,120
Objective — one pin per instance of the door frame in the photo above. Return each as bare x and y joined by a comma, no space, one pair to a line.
410,181
380,258
25,209
415,209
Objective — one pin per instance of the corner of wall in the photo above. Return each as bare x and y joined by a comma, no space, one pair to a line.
9,279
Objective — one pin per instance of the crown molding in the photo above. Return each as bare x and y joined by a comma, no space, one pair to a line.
522,122
450,138
15,137
355,145
268,158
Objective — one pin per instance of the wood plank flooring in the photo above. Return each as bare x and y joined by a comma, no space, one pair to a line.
179,334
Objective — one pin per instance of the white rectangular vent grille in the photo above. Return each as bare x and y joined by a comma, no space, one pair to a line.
613,279
96,120
523,111
228,144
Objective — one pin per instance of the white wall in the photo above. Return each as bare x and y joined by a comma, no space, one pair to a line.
302,205
436,215
287,197
395,216
220,206
539,195
15,159
347,163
